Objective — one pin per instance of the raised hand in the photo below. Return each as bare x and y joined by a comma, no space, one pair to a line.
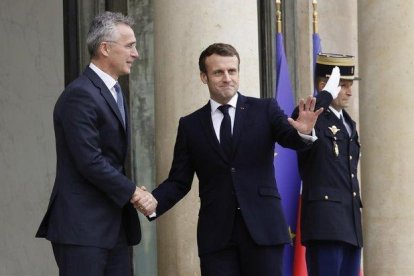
332,85
307,116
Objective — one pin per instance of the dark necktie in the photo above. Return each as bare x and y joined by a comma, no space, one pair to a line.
120,101
225,131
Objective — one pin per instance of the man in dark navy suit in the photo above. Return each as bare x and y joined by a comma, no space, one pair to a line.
90,220
229,143
331,202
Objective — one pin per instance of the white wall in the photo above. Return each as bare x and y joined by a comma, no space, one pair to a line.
31,78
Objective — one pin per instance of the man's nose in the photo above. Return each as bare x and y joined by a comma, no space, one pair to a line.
226,76
135,53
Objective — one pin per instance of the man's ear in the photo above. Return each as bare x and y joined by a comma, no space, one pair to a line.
203,77
104,49
321,85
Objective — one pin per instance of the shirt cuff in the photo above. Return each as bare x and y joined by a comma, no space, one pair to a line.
309,138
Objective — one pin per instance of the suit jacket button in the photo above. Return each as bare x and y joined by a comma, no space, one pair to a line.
326,197
354,194
233,170
350,157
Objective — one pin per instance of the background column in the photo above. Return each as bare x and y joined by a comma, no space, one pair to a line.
182,30
386,95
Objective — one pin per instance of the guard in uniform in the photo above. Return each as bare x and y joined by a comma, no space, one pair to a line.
331,203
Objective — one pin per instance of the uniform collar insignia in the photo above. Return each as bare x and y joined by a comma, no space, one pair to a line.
334,129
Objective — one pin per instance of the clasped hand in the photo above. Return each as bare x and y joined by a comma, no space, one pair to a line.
144,201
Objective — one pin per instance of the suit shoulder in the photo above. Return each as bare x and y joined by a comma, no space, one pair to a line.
259,101
195,114
80,87
79,90
80,83
263,104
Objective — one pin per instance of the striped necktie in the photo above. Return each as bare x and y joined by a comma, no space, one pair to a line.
120,101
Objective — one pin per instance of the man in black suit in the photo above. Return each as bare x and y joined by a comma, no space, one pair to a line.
331,217
90,220
229,143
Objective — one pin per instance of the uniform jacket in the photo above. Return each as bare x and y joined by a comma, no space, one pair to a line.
90,196
331,199
246,179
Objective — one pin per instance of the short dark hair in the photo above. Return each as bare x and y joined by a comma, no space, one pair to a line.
221,49
102,28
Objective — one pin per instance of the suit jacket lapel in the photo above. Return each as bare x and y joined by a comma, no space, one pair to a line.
239,120
106,94
207,126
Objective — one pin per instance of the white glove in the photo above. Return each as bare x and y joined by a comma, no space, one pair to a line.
332,85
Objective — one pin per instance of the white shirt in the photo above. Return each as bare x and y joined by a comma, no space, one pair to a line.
217,116
107,79
337,113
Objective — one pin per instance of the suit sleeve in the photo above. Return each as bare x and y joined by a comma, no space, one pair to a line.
180,178
79,120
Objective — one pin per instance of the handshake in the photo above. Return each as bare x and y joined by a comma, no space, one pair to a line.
144,201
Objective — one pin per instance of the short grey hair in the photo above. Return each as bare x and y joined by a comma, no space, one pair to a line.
103,28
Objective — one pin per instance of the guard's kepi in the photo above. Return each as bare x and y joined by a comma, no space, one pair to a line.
325,62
